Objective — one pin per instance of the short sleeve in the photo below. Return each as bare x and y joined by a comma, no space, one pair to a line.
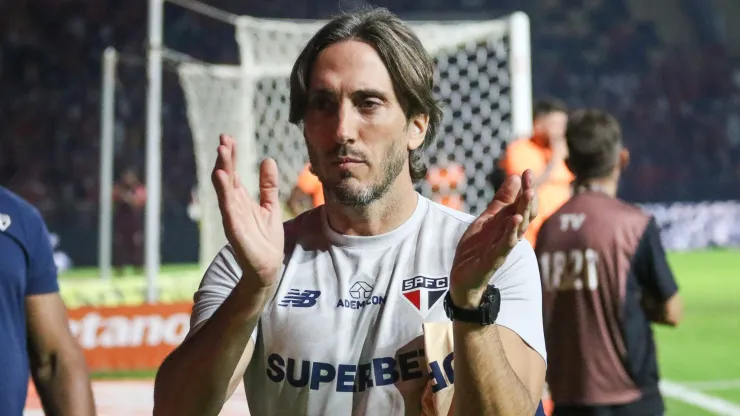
218,282
651,267
42,271
518,280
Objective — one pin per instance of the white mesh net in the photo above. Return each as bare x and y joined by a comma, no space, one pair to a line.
483,81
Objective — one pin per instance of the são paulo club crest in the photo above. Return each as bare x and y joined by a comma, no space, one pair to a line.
424,292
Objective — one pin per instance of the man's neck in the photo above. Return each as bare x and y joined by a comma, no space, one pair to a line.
607,186
379,217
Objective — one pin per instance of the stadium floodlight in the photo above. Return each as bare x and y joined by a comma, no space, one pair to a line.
484,82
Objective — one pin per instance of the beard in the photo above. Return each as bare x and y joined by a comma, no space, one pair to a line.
347,194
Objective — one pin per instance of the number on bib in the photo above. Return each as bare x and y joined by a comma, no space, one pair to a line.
562,270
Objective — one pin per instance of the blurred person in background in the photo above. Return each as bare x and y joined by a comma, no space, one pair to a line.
544,153
129,198
34,329
605,278
308,192
447,182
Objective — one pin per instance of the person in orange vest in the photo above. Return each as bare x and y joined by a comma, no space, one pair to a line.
447,183
308,188
545,153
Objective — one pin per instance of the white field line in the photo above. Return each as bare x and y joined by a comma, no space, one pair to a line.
696,398
713,384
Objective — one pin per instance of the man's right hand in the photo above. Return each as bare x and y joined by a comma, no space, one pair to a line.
254,230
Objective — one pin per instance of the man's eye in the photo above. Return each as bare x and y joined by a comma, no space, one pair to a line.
320,103
369,104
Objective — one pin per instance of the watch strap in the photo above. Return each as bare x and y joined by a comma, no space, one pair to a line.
485,314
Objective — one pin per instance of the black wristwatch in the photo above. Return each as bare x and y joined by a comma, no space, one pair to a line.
485,314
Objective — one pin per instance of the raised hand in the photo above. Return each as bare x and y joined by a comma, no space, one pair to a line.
254,230
490,238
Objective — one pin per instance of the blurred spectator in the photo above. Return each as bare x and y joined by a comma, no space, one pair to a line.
129,197
308,192
545,154
446,182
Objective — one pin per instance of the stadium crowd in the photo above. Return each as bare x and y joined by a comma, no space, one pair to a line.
679,108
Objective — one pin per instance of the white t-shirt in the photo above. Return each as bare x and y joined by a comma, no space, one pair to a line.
343,334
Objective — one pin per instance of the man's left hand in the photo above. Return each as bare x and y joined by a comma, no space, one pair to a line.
490,238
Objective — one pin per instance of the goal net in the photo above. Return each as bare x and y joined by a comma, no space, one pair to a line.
483,81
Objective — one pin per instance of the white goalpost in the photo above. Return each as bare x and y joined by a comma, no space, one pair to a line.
153,208
484,83
107,117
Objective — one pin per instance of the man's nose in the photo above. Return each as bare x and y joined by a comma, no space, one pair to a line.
347,121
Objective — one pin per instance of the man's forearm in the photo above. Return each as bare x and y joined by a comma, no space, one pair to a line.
63,385
194,378
485,383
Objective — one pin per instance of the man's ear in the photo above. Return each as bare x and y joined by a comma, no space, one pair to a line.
418,127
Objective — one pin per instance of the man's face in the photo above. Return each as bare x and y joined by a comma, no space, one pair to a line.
552,126
129,178
357,134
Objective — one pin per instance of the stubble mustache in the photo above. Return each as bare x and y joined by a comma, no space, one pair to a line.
344,151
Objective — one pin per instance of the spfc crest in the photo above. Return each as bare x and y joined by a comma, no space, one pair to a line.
424,292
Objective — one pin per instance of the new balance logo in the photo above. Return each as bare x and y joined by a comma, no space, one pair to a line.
299,299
